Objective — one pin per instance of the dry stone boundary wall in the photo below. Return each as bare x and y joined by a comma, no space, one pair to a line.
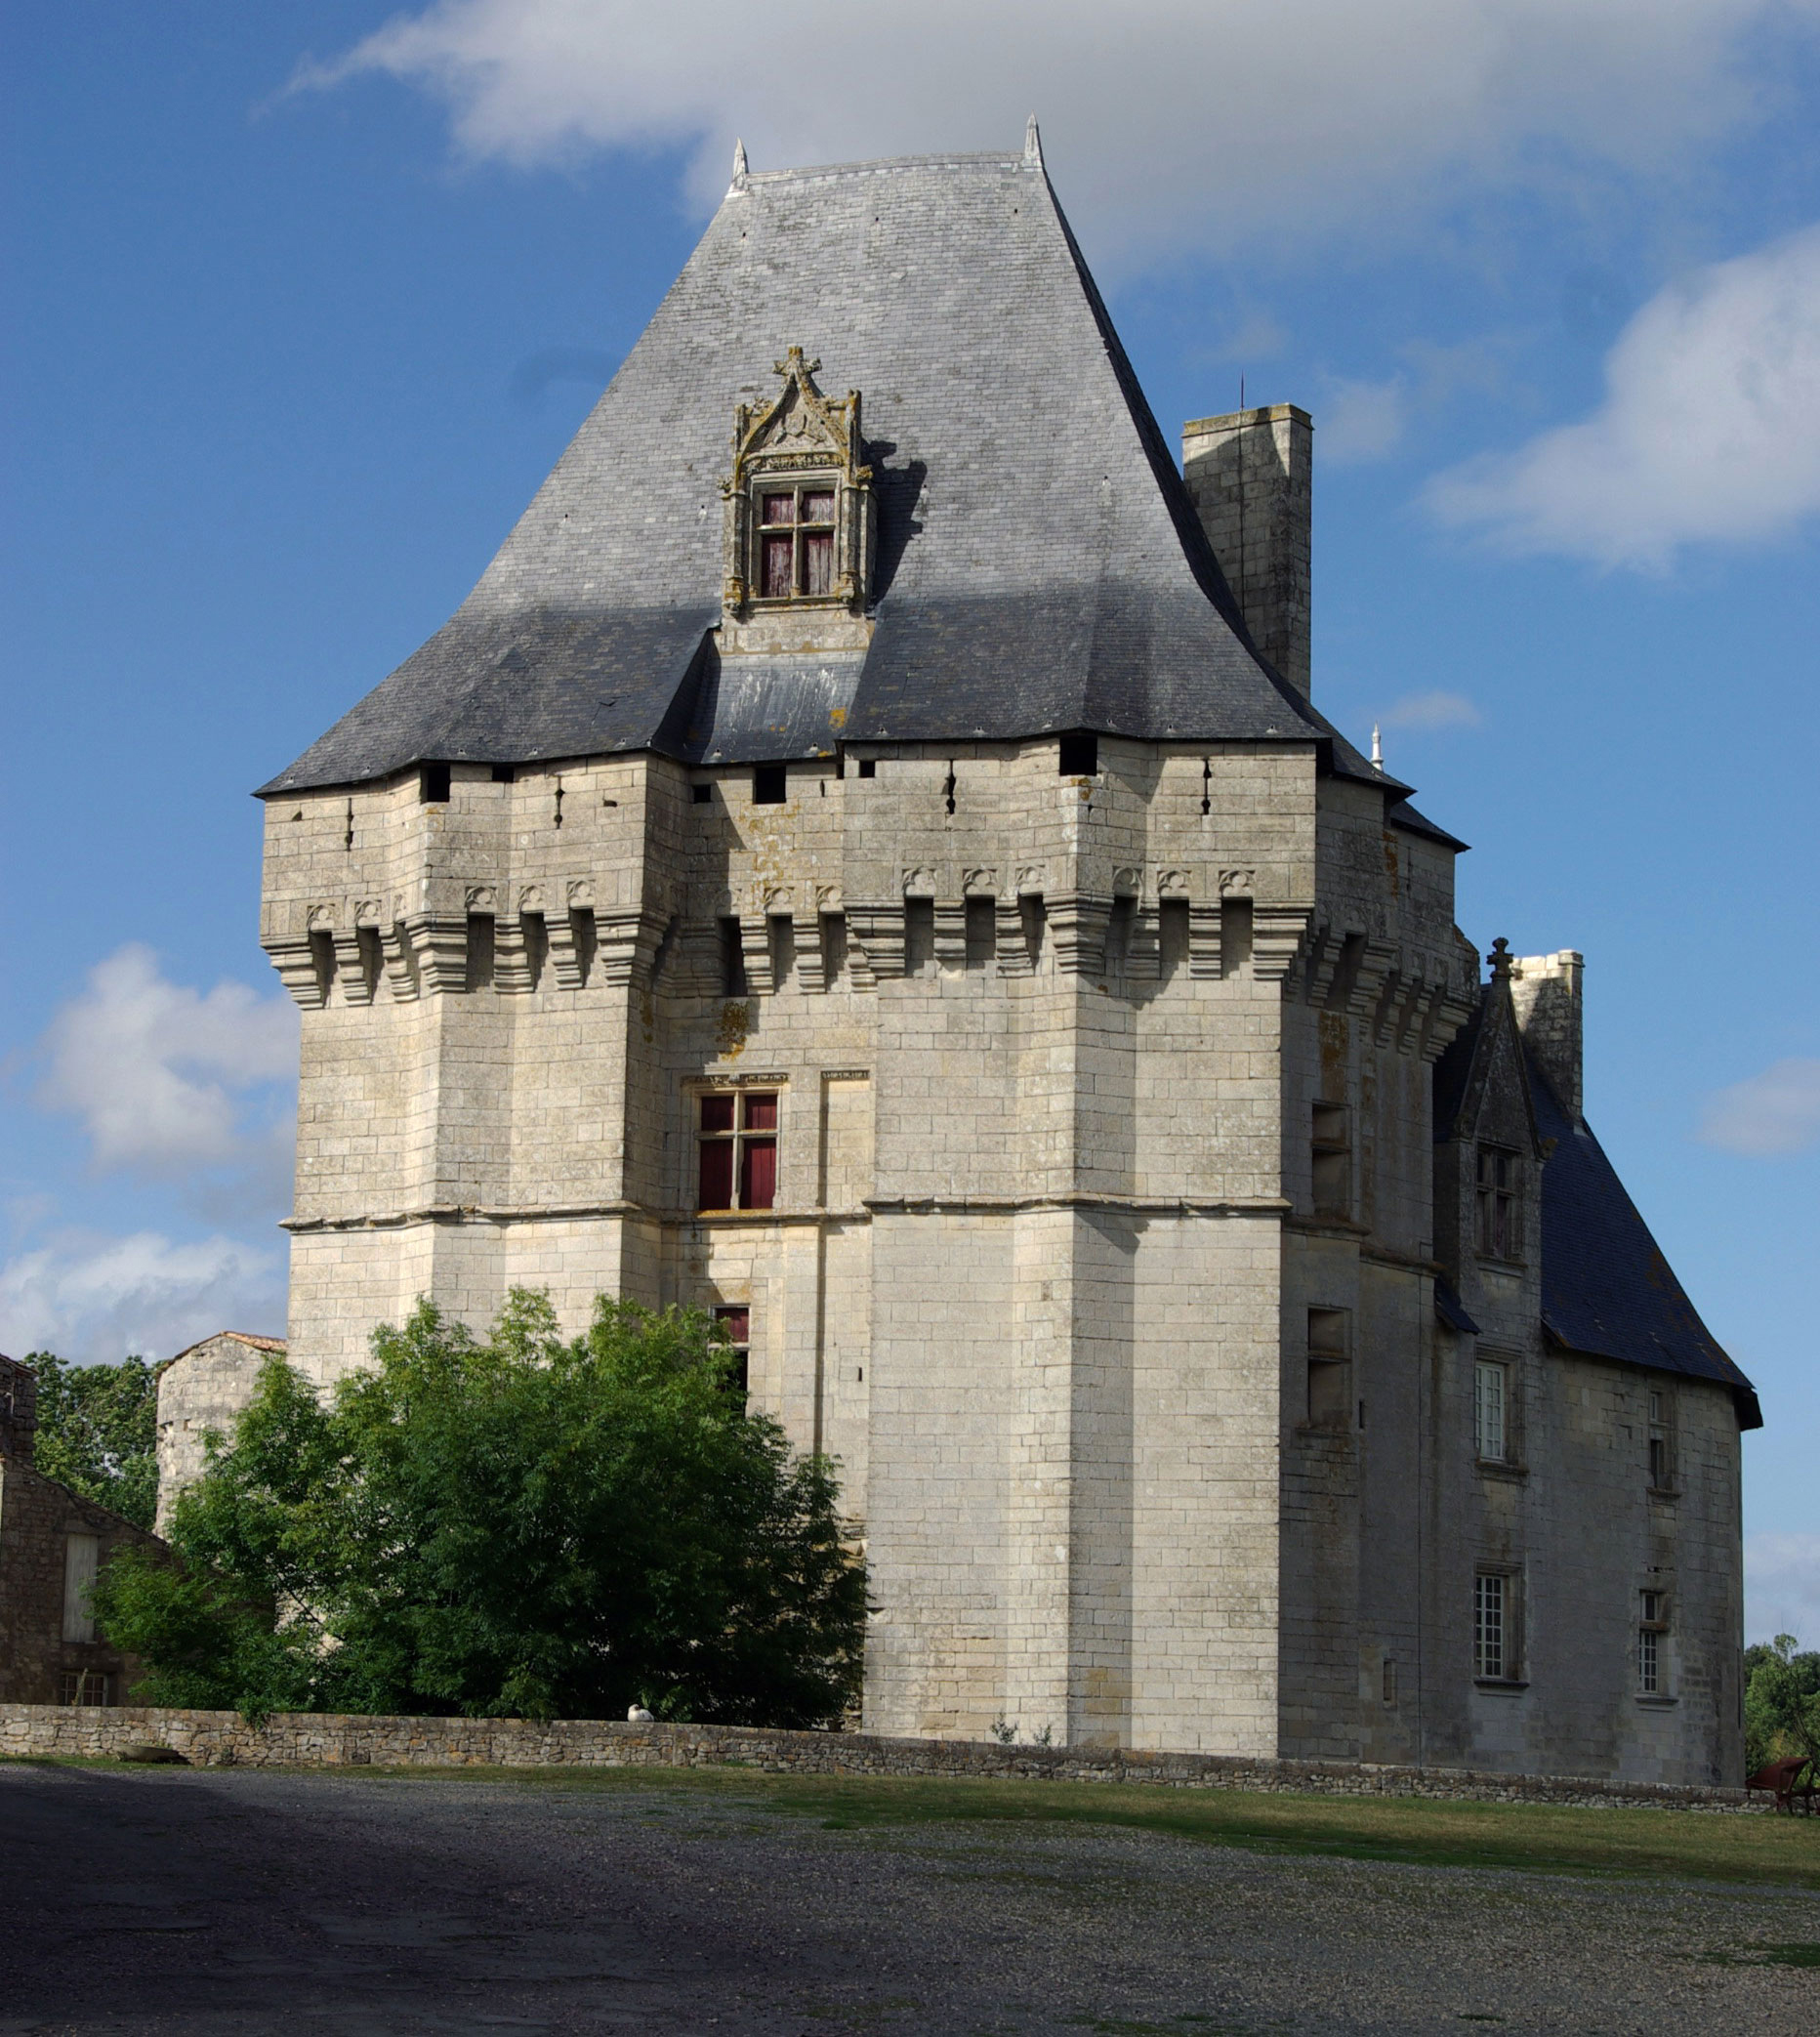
319,1740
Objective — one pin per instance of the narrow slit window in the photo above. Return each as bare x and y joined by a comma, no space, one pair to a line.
1652,1626
1491,1411
1661,1443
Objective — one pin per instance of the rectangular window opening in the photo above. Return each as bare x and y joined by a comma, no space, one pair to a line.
481,950
868,767
1491,1411
735,1321
432,785
1329,1390
85,1686
1034,912
1235,936
732,959
832,930
701,795
1077,755
1173,935
1331,1144
919,936
982,932
770,786
780,939
796,541
1493,1655
1661,1441
1652,1626
1498,1225
736,1149
505,774
535,931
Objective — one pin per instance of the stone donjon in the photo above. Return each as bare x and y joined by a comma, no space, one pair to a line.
865,859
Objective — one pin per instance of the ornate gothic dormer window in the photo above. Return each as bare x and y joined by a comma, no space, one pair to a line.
799,504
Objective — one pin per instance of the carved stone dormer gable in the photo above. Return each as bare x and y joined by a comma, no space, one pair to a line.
1482,1086
798,541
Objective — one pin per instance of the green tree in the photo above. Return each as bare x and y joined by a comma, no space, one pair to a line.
97,1432
519,1526
1781,1703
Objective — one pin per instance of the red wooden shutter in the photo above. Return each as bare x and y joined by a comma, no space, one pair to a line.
758,1186
716,1174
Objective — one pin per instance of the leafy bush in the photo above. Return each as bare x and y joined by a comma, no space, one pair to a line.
97,1432
1781,1703
521,1527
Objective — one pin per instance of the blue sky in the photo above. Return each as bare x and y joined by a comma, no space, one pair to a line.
307,300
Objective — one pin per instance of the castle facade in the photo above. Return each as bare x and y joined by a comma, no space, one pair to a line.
865,861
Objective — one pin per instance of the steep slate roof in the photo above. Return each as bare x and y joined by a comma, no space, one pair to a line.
1606,1289
1040,566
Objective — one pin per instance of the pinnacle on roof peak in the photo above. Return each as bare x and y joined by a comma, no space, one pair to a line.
739,159
1033,145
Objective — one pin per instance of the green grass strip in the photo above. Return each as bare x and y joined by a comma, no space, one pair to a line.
1534,1837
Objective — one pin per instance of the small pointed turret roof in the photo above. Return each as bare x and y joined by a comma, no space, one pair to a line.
1040,566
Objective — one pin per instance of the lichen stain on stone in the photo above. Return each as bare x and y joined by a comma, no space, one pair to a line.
735,1022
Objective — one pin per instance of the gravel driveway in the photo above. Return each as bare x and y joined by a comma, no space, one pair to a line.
220,1902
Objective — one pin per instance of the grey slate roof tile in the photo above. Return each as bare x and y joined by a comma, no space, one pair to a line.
1040,564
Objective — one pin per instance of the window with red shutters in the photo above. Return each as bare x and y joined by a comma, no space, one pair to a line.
736,1145
796,542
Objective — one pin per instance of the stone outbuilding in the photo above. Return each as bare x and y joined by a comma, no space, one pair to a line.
53,1544
200,1391
866,860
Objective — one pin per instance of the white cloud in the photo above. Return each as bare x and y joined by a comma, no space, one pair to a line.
1782,1588
1709,433
1171,119
1436,710
1362,420
1769,1115
99,1299
168,1082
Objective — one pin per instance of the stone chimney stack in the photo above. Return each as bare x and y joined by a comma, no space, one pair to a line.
18,1410
1249,476
1546,990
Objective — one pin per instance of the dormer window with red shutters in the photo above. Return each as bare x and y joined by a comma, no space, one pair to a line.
796,541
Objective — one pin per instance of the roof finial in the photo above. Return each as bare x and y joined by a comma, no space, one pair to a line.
739,159
1033,145
1376,748
1499,959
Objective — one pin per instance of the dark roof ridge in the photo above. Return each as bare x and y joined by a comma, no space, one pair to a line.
877,166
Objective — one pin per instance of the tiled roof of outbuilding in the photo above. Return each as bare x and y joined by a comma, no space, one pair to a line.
1040,566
